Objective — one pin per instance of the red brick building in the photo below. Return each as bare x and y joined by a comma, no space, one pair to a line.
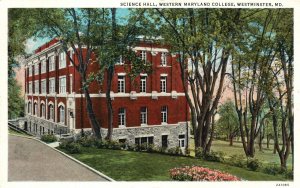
152,110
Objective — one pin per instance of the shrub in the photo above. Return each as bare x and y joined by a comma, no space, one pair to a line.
289,174
253,164
174,151
48,138
87,141
196,173
151,148
73,148
211,156
237,160
199,153
215,156
273,169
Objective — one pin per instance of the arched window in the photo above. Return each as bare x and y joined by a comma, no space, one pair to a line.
35,109
29,107
51,112
43,110
62,114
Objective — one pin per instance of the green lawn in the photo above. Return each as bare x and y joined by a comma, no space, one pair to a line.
139,166
12,131
265,156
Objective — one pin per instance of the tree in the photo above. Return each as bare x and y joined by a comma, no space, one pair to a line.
250,71
77,29
204,39
228,122
280,96
19,30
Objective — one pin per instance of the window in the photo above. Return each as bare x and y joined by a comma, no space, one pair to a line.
164,141
35,109
143,116
43,86
36,69
143,84
51,85
61,114
120,61
163,84
51,112
163,59
181,139
121,84
51,63
122,117
144,140
71,83
43,66
29,108
62,60
71,57
164,114
30,87
143,56
30,70
36,87
62,84
43,110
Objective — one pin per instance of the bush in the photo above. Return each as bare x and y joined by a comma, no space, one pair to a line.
273,169
48,138
174,151
253,164
211,156
87,141
237,160
74,148
215,156
289,174
196,173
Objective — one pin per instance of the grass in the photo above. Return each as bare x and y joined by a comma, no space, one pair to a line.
265,156
14,132
139,166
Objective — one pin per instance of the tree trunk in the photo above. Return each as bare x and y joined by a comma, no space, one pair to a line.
231,141
268,141
110,72
91,114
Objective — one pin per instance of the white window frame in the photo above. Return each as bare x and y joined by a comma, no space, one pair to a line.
30,87
35,106
62,60
30,70
143,115
62,113
164,114
163,84
51,112
143,55
62,88
43,66
51,85
36,87
143,84
122,117
163,59
43,86
29,107
121,84
71,52
36,69
120,61
43,110
71,83
51,63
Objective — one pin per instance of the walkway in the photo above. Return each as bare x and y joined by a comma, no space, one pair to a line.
30,160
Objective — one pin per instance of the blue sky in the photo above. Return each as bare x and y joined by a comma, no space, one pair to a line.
32,44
